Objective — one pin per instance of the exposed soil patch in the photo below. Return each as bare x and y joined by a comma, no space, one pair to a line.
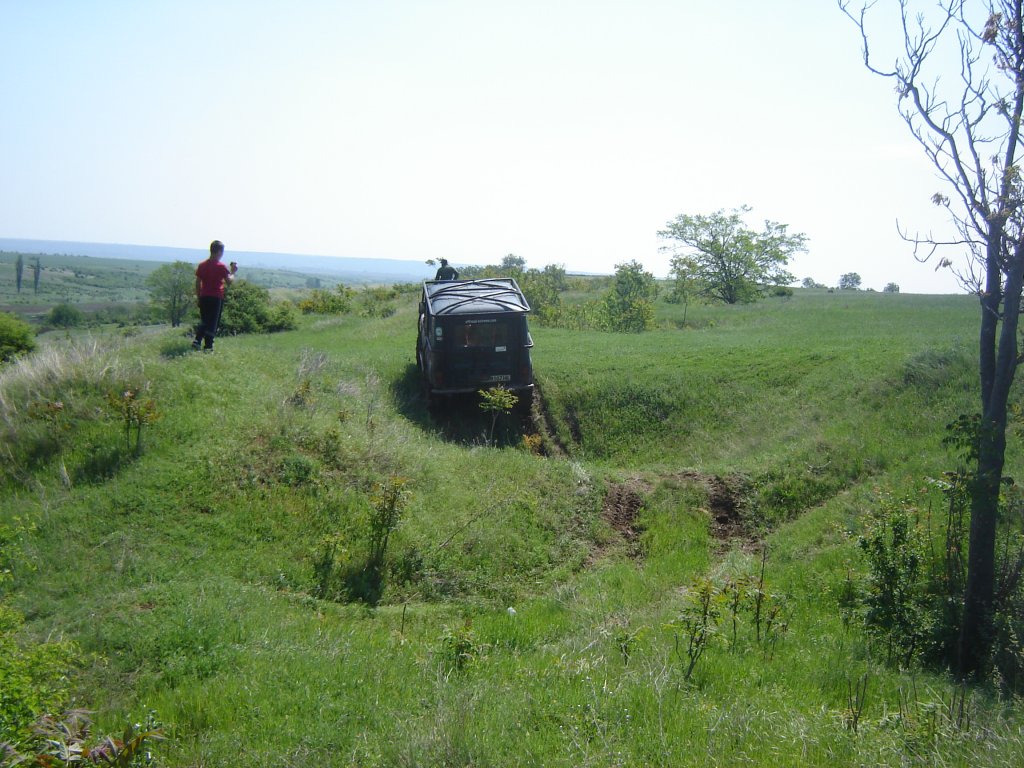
622,503
724,503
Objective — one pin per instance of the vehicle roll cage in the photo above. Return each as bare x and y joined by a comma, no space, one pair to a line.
503,293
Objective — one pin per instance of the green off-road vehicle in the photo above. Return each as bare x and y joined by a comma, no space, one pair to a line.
473,335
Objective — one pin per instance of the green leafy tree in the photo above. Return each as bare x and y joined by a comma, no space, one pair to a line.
172,290
684,284
629,304
513,263
19,270
891,288
970,129
555,273
16,337
727,261
37,269
850,281
542,292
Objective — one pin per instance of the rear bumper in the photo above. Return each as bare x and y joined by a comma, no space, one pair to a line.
483,385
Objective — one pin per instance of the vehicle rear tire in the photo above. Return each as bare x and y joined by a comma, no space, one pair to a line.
525,404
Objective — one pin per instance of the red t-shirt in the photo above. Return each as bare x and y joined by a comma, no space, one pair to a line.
212,277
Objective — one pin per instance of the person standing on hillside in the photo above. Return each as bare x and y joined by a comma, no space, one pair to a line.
212,278
444,272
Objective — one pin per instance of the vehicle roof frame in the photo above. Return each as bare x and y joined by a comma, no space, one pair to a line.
503,293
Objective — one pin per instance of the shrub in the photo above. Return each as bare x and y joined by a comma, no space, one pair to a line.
338,302
16,337
282,317
459,647
913,596
628,304
65,316
33,678
377,302
895,600
246,308
574,317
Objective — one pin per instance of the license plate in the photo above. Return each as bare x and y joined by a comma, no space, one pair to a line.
499,377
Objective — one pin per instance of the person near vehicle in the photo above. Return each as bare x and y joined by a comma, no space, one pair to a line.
212,277
444,272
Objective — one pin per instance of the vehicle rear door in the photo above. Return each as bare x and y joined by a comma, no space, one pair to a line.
483,350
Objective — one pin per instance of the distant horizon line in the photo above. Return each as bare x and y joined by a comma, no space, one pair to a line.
201,250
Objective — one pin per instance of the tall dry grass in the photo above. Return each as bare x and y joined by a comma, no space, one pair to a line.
59,371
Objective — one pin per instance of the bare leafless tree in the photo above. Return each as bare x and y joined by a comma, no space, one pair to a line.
968,121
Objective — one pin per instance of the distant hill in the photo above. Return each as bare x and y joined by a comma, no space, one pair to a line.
342,268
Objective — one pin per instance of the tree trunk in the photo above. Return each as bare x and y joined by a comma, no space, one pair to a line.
998,366
976,622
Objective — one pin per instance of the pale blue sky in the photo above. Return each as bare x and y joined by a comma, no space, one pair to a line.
563,131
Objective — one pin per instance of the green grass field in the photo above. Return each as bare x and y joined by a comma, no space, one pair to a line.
529,611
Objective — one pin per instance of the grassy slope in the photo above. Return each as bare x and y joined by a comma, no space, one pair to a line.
189,572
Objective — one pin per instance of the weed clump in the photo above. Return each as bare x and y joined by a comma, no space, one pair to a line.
735,612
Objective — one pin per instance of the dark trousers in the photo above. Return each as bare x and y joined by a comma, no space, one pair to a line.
209,319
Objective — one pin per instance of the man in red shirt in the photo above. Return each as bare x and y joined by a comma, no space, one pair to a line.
212,278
